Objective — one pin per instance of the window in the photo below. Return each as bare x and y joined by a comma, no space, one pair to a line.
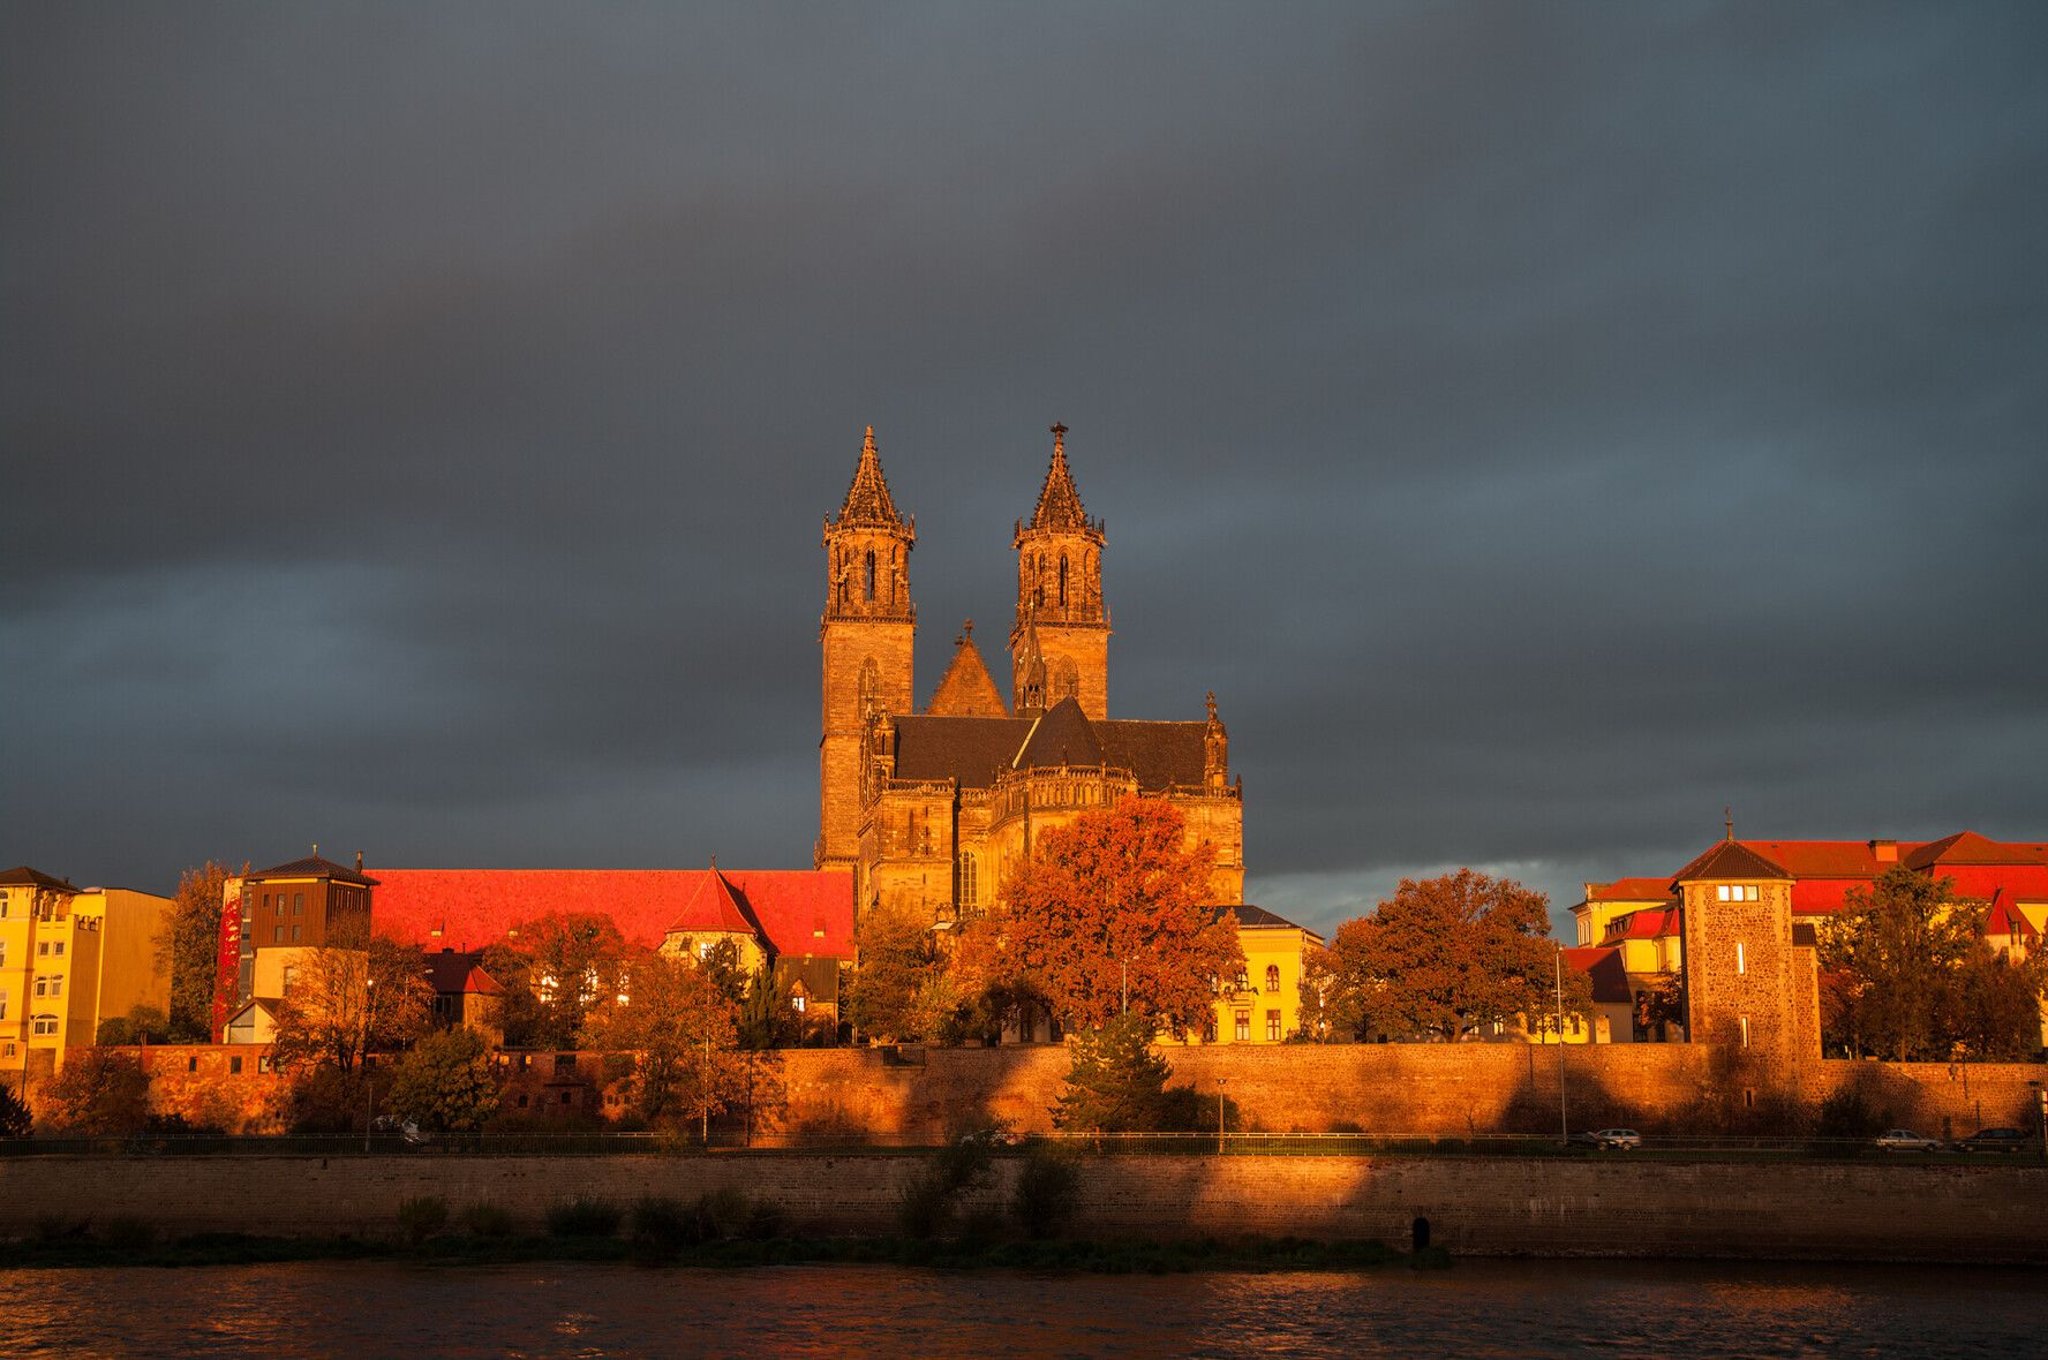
277,934
870,578
192,1063
1272,977
798,1002
291,977
43,1025
3,1005
1243,1028
298,904
1209,1030
1272,1027
1063,579
57,949
1244,982
1741,963
1736,892
1745,1031
3,953
235,1065
522,1102
42,949
296,928
263,1062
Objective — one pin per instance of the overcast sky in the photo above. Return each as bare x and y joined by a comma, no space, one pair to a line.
1540,424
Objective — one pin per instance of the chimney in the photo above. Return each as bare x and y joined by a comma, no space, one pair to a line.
359,861
1885,852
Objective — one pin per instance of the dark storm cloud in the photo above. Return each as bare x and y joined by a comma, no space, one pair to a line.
1540,425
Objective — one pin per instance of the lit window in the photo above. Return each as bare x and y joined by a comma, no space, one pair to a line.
1745,1031
1243,1028
797,1002
1272,977
1741,962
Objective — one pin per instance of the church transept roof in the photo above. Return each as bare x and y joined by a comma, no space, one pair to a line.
967,690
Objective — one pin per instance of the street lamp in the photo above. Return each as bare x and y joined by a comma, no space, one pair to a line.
1564,1123
1221,1082
363,1053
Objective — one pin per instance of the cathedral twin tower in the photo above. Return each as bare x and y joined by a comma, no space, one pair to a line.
928,808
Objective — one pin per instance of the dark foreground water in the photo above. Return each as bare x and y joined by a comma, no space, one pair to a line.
1478,1308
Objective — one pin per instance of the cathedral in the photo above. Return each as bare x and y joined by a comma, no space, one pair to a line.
929,807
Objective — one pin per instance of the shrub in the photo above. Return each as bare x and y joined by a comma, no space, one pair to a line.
584,1217
128,1234
487,1220
662,1226
15,1121
1047,1193
421,1218
765,1222
62,1227
1847,1113
98,1093
722,1214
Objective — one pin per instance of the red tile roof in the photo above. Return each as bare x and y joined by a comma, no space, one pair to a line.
1632,890
801,911
1652,924
1603,968
1731,859
1824,873
712,907
450,971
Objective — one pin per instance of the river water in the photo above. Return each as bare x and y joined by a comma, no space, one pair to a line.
1478,1308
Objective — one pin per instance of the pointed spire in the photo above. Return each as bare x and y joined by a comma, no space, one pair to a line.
1059,504
867,500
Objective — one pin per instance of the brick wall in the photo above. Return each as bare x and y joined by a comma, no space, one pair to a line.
1483,1206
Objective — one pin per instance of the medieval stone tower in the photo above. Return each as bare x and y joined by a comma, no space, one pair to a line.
866,637
1059,645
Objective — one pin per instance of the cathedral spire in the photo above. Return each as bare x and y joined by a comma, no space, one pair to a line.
1059,504
868,502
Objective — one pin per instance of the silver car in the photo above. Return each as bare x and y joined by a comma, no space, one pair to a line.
1905,1140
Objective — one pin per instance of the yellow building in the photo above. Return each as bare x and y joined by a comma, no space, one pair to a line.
70,958
1262,1005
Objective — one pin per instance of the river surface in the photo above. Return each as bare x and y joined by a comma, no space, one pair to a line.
361,1310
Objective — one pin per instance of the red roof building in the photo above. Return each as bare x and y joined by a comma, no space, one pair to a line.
797,912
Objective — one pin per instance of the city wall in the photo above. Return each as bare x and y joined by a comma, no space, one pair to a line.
1484,1206
1439,1090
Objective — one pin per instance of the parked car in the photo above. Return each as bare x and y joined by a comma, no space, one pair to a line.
385,1124
1905,1140
1624,1139
1996,1140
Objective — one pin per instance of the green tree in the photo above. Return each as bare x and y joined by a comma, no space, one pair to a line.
1118,1083
1911,977
98,1093
682,1031
1448,958
893,980
143,1024
554,969
351,997
1114,905
188,948
445,1081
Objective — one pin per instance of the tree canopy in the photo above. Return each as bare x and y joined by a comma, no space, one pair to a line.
554,968
682,1029
188,948
1118,1084
1444,958
445,1082
1909,975
350,997
1116,898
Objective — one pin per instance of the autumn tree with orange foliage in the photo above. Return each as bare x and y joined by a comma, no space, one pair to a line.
1118,888
1446,959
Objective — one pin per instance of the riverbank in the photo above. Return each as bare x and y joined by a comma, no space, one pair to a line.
1474,1206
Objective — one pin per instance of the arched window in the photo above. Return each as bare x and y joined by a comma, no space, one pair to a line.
1063,580
870,683
871,574
970,881
1272,977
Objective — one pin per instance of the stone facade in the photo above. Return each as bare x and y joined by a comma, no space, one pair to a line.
930,809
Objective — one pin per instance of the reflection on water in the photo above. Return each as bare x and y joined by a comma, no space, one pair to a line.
1480,1308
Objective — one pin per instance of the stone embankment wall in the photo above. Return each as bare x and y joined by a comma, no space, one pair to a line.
1604,1206
1441,1090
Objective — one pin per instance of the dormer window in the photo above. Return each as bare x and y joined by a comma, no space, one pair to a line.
1736,892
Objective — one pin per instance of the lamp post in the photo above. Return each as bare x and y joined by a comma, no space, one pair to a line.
2041,1097
363,1053
1564,1123
1126,964
1221,1082
704,1085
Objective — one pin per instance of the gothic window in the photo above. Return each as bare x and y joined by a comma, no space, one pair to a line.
870,682
1272,977
870,577
1063,580
970,881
